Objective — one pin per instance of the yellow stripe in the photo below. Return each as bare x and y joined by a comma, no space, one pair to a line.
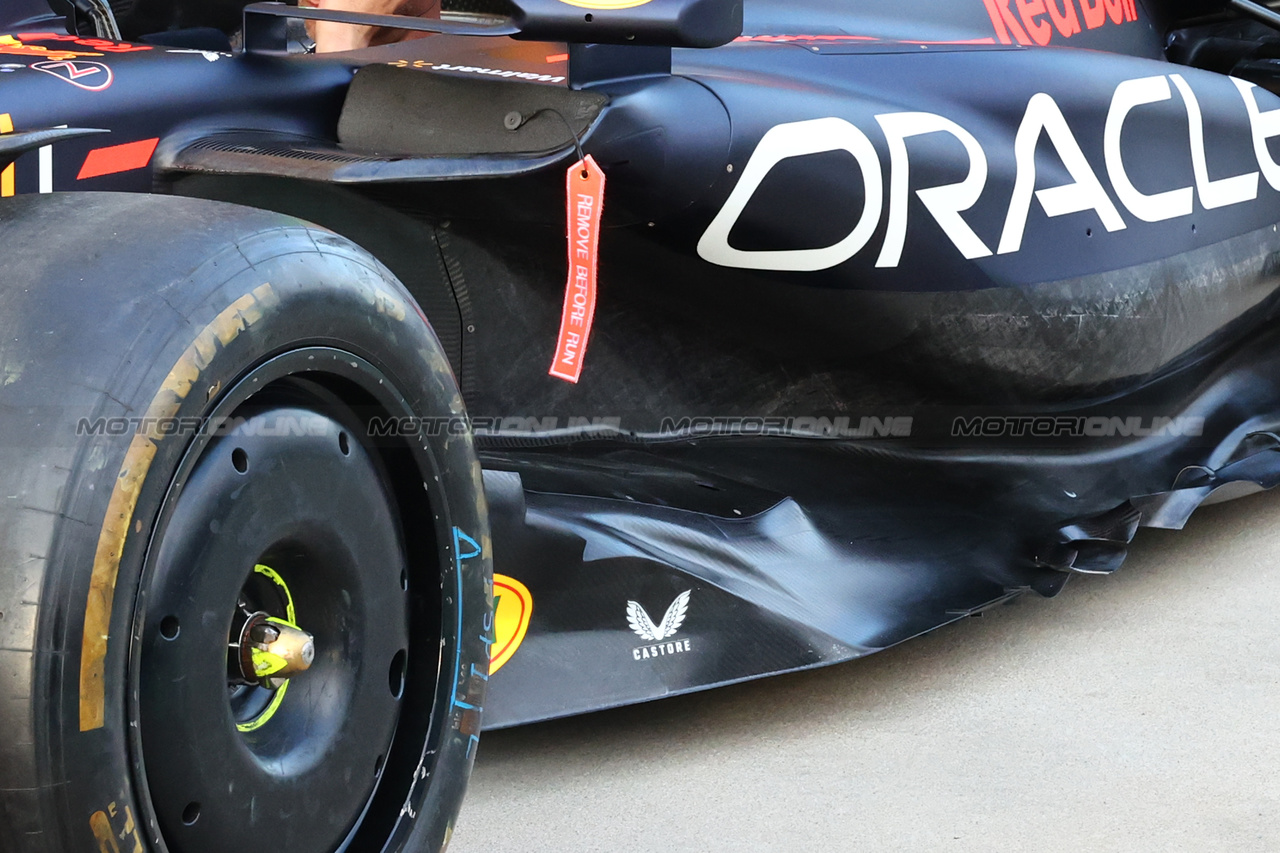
6,177
224,329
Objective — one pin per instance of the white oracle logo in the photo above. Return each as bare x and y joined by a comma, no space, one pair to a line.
1042,119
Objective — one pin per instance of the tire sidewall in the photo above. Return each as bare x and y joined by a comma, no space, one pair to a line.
322,292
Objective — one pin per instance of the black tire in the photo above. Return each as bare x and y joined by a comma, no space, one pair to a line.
217,319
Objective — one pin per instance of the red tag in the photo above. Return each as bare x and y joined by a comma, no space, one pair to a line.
585,185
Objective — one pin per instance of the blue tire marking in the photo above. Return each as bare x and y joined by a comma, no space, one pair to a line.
458,556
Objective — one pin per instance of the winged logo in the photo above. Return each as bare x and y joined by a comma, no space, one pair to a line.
638,619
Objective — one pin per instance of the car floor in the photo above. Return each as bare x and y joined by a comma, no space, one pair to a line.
1135,711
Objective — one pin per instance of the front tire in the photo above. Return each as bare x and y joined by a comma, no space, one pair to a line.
194,392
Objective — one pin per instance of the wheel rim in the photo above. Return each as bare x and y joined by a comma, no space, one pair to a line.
285,518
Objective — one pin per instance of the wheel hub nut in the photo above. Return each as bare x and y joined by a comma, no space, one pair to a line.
273,650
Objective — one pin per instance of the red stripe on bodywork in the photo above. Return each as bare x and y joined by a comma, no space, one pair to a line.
118,158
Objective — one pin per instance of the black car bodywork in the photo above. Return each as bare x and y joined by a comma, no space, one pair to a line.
906,308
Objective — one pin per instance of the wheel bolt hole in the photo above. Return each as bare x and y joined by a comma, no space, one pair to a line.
395,678
191,813
404,579
170,627
344,444
240,459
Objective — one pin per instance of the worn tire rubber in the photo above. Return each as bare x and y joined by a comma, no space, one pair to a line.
102,296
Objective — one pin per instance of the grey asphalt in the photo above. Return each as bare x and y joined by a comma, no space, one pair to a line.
1133,712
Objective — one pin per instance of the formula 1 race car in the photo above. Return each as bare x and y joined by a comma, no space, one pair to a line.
574,353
